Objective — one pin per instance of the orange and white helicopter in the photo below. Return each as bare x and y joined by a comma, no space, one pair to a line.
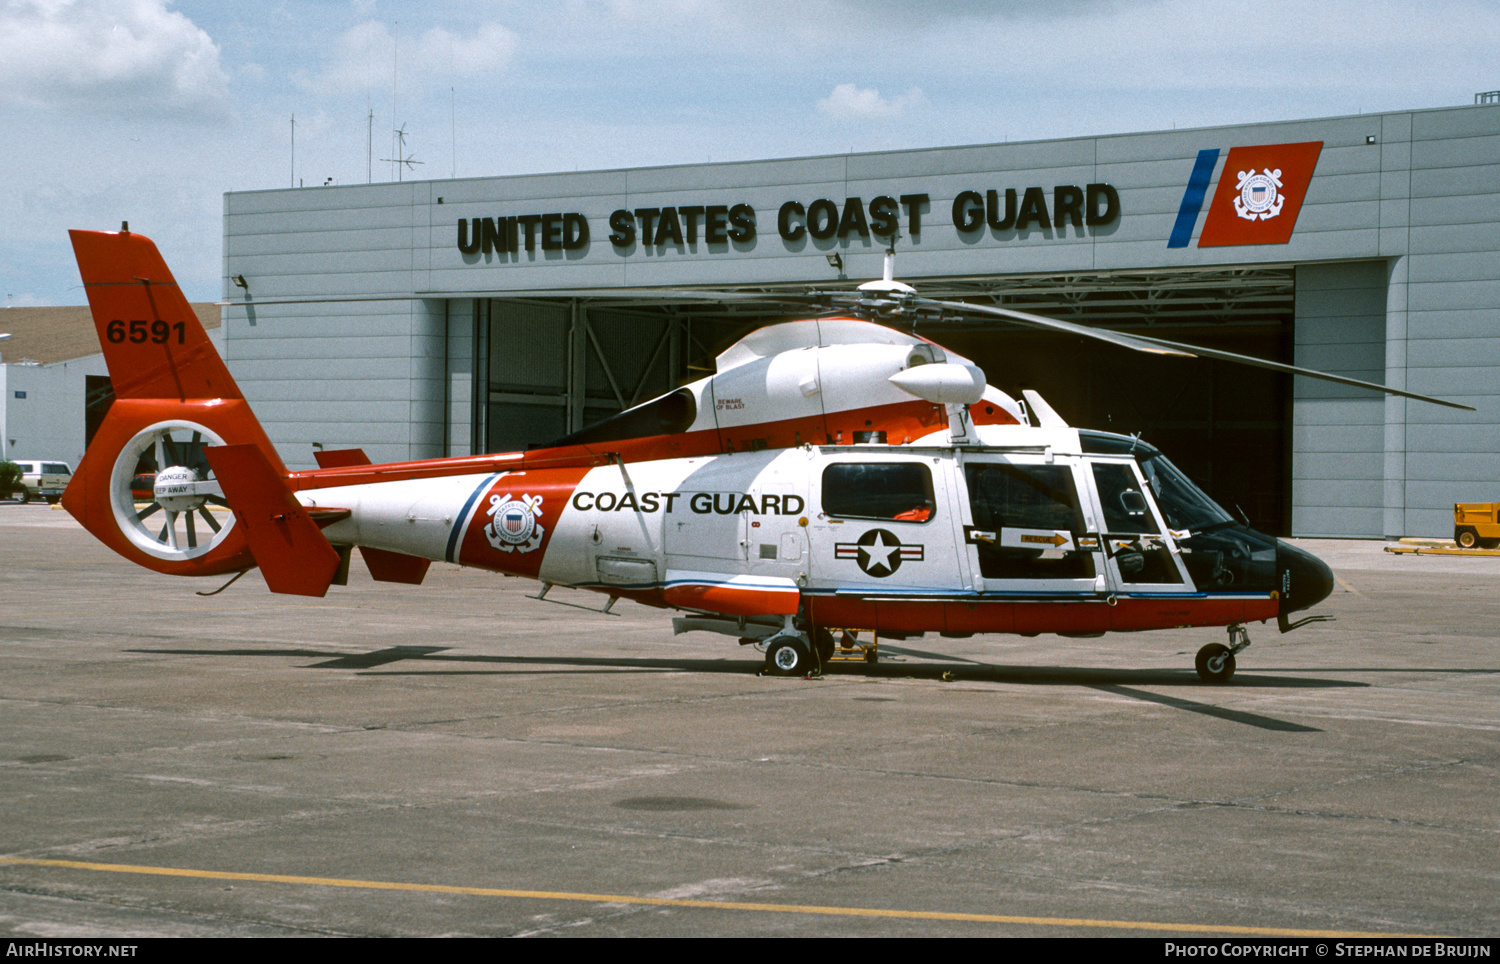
833,472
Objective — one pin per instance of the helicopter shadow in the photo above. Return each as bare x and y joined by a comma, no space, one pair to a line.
439,661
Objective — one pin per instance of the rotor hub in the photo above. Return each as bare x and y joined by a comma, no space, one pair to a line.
177,489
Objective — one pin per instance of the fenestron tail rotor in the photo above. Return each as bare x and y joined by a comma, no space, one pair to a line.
186,515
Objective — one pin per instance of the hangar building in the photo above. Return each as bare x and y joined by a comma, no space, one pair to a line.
54,386
426,318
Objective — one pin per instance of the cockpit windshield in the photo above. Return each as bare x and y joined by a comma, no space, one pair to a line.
1183,504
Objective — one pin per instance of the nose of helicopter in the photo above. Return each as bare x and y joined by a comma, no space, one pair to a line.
1306,580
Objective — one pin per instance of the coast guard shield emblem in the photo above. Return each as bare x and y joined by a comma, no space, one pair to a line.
513,525
1261,204
1259,198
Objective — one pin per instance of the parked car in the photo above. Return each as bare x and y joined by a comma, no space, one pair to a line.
42,480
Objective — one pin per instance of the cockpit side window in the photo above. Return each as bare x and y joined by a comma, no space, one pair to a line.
891,491
1125,508
1141,556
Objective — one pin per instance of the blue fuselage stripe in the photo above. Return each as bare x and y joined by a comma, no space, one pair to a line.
462,522
1192,200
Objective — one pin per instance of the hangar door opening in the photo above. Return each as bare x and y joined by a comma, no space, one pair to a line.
557,365
1227,426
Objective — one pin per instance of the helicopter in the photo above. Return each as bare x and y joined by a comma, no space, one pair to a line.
834,473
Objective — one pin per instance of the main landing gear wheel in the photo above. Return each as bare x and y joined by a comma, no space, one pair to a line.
1215,663
825,645
789,656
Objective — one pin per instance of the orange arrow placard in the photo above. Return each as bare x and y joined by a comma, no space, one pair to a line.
1055,539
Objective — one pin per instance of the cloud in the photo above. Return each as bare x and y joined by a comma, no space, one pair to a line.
108,55
849,102
361,60
487,51
362,57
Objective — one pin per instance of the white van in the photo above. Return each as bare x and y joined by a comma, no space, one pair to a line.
42,480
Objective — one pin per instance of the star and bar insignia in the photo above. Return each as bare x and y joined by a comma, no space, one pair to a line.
879,552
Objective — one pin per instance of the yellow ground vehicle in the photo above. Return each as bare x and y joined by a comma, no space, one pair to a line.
1476,524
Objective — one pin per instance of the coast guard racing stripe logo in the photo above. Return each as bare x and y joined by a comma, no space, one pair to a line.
878,552
1257,201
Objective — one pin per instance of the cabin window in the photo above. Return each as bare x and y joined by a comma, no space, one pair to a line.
889,491
1006,496
1040,499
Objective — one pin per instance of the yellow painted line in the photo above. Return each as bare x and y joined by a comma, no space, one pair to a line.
703,904
1440,551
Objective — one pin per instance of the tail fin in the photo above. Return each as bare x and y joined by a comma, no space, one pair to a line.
173,396
153,343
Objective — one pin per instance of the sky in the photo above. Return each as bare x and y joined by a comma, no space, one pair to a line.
150,110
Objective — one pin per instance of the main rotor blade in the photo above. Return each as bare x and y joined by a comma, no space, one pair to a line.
664,295
1230,356
1162,346
1132,342
883,306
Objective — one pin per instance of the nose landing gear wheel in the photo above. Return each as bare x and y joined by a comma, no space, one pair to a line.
1215,663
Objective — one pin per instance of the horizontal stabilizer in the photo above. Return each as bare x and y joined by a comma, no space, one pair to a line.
388,566
326,516
340,458
286,543
384,565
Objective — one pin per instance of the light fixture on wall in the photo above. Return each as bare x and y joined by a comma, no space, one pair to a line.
240,281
